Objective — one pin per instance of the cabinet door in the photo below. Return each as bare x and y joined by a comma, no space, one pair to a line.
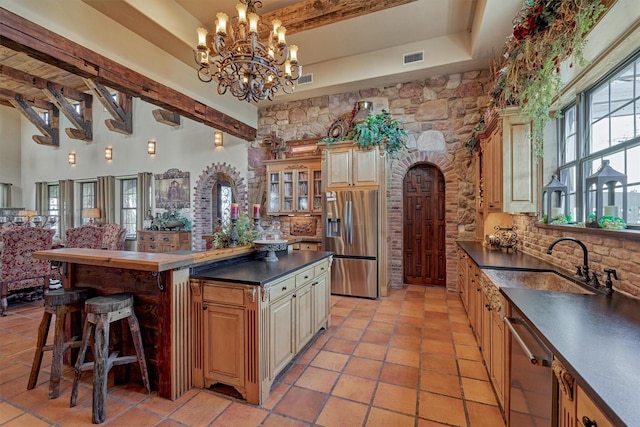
320,302
339,165
365,167
288,191
497,355
305,325
224,344
273,204
492,169
303,191
462,279
485,339
316,206
519,167
282,340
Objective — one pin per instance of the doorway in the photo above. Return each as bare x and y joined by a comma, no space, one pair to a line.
424,250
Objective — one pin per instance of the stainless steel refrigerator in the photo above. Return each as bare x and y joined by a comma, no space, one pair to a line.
351,232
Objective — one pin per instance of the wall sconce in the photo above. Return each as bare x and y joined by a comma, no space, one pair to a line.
108,153
217,138
151,146
72,158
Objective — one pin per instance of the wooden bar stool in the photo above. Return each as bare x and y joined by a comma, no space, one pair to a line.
101,312
59,302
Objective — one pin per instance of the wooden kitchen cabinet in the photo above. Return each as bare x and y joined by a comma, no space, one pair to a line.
588,414
507,172
463,286
345,165
295,186
163,241
245,335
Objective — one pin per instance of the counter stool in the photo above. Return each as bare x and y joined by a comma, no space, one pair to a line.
59,302
101,312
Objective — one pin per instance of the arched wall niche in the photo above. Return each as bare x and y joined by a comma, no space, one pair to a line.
203,204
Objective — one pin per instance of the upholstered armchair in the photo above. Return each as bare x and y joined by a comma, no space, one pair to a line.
18,269
87,236
114,237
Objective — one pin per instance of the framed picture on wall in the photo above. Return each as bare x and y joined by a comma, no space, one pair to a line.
172,190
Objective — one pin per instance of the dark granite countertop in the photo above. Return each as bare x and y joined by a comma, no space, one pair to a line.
486,258
258,272
597,338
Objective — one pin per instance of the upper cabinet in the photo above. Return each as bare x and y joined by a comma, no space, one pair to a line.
508,177
346,165
295,186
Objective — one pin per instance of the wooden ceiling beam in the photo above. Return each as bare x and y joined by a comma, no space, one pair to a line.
38,42
40,83
310,14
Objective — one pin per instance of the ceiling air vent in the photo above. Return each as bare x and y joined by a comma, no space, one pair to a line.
305,79
410,58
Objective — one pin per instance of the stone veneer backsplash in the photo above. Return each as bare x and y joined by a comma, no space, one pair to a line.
613,250
439,114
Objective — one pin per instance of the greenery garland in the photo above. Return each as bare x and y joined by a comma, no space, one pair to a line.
545,34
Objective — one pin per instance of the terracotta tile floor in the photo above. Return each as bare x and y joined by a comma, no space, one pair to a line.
408,359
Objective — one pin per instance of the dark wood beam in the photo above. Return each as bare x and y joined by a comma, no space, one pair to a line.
40,83
51,130
38,42
169,118
309,14
121,109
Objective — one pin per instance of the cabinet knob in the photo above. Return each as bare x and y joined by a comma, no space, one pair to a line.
588,422
204,307
284,288
488,307
314,283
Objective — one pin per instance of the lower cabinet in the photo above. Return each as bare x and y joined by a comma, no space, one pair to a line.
245,335
575,407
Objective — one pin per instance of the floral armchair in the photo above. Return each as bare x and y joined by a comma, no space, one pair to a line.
18,269
114,237
86,236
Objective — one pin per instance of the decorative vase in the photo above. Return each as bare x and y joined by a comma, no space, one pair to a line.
364,110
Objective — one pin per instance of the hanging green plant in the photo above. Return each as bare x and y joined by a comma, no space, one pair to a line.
472,142
545,34
379,129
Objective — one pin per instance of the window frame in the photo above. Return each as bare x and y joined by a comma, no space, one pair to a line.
131,227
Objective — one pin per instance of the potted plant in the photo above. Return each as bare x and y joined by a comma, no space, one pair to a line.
379,129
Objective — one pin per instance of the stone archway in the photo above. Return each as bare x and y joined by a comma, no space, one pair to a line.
203,200
399,168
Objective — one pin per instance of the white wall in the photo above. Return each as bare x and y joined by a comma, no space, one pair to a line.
10,152
188,147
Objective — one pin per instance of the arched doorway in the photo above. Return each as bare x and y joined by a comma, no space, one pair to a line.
424,249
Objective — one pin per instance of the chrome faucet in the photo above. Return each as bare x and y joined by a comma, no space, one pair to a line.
582,270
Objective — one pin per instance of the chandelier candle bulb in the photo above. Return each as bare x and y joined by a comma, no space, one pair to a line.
281,32
276,24
253,23
202,37
221,23
293,53
242,12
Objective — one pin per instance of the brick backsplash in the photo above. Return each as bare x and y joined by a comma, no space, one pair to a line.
618,252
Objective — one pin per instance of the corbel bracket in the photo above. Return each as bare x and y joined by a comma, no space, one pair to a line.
50,131
121,110
81,120
166,117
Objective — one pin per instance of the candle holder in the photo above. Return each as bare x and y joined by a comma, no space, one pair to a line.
257,226
234,233
271,246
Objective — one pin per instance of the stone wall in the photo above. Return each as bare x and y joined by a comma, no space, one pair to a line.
439,114
606,250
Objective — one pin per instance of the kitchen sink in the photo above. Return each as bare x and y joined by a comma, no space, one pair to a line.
540,280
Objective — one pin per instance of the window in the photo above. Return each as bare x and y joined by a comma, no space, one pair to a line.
129,205
53,203
87,197
608,129
225,198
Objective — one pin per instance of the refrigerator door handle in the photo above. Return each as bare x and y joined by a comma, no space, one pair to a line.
349,222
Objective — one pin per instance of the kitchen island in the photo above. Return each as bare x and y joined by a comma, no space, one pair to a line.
162,297
263,313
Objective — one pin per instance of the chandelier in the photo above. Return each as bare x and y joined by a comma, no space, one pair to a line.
250,69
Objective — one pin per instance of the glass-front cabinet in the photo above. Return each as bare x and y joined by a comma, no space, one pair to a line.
294,186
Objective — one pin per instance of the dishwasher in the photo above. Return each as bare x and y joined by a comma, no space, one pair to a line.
532,386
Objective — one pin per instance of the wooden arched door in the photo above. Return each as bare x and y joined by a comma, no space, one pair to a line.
424,226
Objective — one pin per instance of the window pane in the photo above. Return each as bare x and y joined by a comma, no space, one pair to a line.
633,169
599,136
633,205
599,103
570,149
622,122
570,139
129,202
622,88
